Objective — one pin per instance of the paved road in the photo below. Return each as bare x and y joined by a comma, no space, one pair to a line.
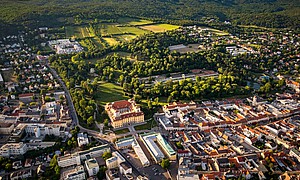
75,120
68,96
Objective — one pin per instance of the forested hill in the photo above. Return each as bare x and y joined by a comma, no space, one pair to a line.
269,13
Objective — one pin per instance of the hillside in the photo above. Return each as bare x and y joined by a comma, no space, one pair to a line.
269,13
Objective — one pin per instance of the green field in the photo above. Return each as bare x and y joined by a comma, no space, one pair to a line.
122,131
133,21
159,27
125,37
132,30
79,32
110,41
109,29
152,123
109,92
218,32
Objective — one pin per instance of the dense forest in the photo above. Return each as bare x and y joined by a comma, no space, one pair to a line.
269,13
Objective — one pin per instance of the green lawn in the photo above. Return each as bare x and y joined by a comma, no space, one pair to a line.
133,21
152,123
109,92
160,27
122,131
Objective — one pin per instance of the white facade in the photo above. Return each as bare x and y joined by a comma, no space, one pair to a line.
92,167
125,168
118,156
82,139
12,149
112,162
68,160
115,160
75,174
94,152
44,129
140,153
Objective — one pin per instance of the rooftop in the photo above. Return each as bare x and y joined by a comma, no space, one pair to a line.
91,163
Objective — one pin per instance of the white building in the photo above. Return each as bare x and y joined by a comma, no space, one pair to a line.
82,139
92,167
39,130
115,160
12,149
112,162
75,174
69,160
157,146
118,156
76,158
125,168
140,153
152,147
94,152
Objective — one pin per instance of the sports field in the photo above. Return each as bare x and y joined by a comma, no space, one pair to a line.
159,27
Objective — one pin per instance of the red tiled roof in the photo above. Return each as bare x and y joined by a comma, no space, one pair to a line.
121,104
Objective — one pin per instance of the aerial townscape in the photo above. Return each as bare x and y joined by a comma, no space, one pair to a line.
150,90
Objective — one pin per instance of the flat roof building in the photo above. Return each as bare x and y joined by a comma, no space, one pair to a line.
158,146
124,143
13,149
140,153
77,173
92,167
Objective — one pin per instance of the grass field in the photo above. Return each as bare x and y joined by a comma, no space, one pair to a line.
111,41
159,27
125,37
133,21
132,30
109,92
218,32
109,29
79,32
122,131
152,123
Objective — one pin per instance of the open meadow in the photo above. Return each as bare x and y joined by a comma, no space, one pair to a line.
134,21
109,92
159,27
78,32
